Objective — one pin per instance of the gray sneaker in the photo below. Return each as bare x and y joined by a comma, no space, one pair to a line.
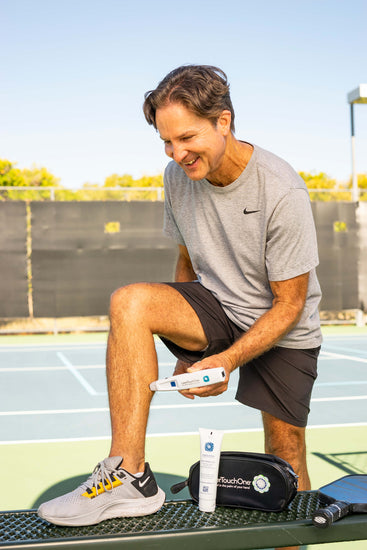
109,492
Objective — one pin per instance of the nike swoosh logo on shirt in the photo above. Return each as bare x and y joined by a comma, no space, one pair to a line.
250,211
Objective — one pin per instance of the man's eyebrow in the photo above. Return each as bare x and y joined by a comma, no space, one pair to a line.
183,135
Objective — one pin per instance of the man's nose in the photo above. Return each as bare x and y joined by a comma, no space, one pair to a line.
179,152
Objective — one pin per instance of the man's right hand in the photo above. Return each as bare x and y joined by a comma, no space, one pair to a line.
181,368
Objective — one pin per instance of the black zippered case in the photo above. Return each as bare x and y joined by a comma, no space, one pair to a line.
248,480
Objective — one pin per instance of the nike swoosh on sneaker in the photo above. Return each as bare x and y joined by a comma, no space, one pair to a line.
142,483
250,211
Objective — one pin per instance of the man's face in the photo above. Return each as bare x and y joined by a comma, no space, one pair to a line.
193,142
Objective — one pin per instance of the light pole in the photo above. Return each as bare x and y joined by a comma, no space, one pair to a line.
359,95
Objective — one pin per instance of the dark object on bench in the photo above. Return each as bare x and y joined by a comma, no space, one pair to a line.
344,496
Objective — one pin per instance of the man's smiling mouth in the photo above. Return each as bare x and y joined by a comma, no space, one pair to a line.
191,162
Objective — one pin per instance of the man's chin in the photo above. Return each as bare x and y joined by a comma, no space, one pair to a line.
194,175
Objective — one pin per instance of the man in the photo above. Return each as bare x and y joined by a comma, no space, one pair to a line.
246,295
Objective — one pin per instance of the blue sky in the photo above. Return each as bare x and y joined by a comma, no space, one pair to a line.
74,72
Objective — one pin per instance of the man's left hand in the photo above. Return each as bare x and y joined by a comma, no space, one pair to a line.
212,362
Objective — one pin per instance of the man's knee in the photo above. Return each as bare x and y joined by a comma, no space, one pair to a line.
128,301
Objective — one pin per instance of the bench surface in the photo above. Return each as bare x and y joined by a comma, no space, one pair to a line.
180,523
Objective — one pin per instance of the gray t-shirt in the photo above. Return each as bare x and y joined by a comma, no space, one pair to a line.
239,237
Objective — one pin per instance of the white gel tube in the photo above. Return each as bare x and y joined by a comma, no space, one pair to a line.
210,445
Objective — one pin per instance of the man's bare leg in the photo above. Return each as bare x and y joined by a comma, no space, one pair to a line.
287,442
138,312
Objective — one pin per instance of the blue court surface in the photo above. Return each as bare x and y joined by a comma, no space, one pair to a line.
57,392
54,418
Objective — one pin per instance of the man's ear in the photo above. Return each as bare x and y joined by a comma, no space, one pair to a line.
224,122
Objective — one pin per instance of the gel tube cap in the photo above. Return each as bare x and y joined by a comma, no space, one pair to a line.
210,446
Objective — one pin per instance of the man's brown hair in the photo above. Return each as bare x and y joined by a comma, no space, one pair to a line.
203,89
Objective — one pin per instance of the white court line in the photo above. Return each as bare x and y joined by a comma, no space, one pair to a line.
163,407
235,403
96,367
342,356
331,355
31,369
170,434
49,347
106,409
54,411
326,399
79,367
76,374
345,348
346,383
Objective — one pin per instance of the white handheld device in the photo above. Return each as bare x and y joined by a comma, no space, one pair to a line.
187,380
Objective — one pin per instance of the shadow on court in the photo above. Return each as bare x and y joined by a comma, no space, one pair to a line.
165,482
350,463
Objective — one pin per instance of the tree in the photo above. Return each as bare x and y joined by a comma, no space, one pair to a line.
39,177
10,176
323,181
362,185
126,180
120,181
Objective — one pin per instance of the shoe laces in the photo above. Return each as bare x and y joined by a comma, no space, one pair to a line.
100,474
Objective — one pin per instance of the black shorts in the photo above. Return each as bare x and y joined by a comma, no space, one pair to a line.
278,382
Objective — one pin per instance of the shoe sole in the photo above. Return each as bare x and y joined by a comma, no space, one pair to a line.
120,509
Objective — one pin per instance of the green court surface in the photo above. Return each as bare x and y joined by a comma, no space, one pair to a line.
36,471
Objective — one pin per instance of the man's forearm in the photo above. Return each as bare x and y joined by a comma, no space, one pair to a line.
264,334
184,272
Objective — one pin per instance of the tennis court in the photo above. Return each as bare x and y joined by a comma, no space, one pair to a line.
55,420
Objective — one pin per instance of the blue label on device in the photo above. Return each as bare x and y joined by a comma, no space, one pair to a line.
206,378
173,384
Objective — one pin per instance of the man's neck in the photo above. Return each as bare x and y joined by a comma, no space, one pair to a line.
235,160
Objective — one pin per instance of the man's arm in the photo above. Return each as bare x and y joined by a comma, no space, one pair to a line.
184,270
288,303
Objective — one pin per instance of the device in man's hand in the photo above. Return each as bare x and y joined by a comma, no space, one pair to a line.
188,380
343,496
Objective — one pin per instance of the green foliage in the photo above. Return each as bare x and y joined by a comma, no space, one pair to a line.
127,180
10,176
119,181
338,192
362,184
39,177
362,181
125,187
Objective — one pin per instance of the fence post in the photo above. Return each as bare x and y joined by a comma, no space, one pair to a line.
360,318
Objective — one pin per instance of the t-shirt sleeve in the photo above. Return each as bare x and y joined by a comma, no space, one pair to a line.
170,228
291,247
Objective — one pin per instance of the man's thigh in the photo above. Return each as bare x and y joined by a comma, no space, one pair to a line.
162,309
220,331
